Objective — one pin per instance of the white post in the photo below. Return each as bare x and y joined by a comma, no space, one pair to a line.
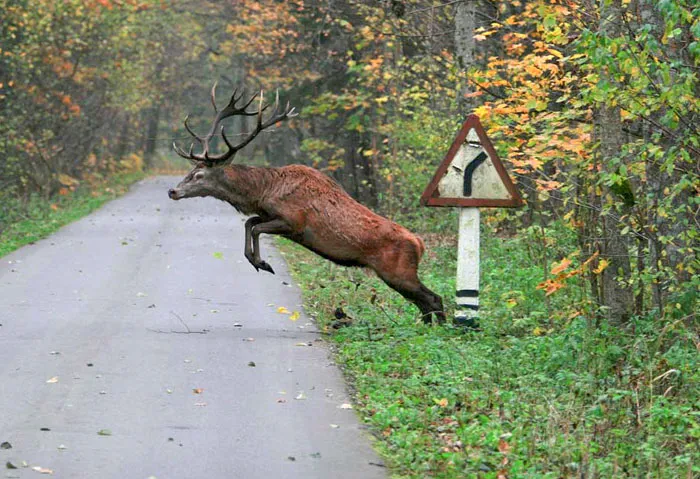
468,268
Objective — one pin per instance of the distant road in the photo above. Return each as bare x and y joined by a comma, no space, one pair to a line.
145,323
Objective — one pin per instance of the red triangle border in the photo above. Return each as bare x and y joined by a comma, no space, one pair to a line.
430,195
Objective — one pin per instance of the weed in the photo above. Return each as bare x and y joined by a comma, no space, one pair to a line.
536,394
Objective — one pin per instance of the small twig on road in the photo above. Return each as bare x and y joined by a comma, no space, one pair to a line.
189,331
181,321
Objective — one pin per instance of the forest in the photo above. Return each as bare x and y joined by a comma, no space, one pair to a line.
587,364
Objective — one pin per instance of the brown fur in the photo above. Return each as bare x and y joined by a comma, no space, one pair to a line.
311,209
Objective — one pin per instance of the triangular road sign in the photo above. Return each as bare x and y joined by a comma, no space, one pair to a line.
471,174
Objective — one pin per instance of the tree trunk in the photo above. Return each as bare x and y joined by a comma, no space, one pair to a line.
465,45
617,293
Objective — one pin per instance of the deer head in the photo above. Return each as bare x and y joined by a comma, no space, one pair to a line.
201,180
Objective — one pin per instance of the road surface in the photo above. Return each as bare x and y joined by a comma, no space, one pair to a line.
139,342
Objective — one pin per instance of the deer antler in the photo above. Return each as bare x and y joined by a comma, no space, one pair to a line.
233,110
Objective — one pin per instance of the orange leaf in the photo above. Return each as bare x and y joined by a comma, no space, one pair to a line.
550,286
561,266
441,402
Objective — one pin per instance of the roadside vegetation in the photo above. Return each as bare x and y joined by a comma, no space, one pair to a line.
538,393
29,220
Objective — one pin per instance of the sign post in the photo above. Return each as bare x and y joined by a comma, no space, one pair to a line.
471,177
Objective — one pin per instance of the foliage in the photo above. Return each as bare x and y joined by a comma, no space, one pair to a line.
528,396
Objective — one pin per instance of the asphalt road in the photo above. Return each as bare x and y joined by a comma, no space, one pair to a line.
145,322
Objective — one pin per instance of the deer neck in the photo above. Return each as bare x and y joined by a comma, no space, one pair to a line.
241,186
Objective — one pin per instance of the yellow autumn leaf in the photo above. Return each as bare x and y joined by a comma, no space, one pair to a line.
556,53
283,310
602,264
295,315
533,70
441,402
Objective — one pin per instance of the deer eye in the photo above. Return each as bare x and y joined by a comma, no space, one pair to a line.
199,175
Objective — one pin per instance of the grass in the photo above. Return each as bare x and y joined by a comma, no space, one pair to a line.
26,222
536,394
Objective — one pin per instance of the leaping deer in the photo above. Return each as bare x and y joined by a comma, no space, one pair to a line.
305,206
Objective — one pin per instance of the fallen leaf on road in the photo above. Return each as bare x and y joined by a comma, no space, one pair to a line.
53,380
141,295
5,445
169,391
237,325
283,310
301,396
303,344
295,315
249,339
55,353
251,364
104,432
61,447
9,465
315,455
345,406
218,255
200,404
198,390
281,400
335,426
214,311
42,470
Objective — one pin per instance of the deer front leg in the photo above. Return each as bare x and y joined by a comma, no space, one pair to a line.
248,249
274,227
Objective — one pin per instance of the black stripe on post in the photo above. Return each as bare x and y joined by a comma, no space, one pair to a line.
469,171
468,293
473,307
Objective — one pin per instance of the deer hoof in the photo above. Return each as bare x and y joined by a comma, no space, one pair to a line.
265,267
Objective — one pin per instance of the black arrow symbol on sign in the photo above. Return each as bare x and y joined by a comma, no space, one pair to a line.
469,171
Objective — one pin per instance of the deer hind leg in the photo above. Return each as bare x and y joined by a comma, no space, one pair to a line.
248,248
427,302
274,227
400,273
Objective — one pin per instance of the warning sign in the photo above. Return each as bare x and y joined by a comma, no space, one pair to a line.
471,174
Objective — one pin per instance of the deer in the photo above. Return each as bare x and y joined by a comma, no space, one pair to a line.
303,205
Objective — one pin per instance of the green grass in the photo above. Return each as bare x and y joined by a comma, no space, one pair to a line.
26,222
536,394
